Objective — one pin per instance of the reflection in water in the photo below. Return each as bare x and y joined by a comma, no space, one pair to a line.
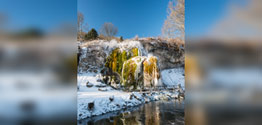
154,113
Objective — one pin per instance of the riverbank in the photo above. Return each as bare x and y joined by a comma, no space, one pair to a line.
157,112
96,98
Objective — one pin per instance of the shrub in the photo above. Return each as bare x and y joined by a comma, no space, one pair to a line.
108,30
121,38
92,34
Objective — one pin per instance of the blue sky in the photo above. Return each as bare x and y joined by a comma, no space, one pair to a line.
132,17
202,15
146,17
43,14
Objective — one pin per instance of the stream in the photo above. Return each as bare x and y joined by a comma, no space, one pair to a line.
153,113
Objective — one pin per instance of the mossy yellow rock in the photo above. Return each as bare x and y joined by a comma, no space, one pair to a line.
151,73
117,58
135,72
132,77
140,72
115,61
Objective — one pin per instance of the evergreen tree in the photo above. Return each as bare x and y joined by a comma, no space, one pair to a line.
92,34
121,38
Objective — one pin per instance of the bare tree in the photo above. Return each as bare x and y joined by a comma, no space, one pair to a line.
80,22
174,25
85,28
108,30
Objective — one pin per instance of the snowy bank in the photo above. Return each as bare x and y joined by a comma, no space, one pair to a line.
96,98
173,77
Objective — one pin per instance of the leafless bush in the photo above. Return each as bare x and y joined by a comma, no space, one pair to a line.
108,30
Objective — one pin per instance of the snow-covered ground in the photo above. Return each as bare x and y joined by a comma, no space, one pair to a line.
108,99
173,77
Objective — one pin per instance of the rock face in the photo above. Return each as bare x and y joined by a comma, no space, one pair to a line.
169,54
128,64
92,57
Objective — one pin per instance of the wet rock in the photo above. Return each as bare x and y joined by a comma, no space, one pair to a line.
118,105
131,96
111,98
89,85
91,105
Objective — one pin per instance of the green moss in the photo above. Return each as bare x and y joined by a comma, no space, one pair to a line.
117,58
133,53
132,76
128,74
114,61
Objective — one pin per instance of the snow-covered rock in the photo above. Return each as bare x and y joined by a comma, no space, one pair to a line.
94,53
173,77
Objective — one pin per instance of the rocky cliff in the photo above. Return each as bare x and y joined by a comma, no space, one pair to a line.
130,65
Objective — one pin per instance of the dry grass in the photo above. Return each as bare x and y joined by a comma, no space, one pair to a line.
177,41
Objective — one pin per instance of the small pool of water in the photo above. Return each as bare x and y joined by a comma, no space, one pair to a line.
153,113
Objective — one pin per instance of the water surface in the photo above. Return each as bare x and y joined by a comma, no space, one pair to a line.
153,113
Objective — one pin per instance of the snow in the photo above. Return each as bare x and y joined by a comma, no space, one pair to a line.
121,99
111,45
173,77
100,98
